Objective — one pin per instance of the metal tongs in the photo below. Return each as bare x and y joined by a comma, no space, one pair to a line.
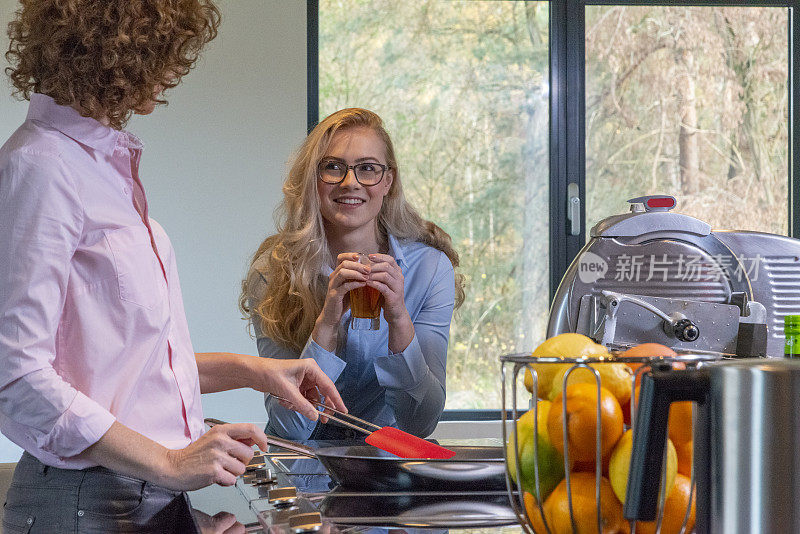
387,438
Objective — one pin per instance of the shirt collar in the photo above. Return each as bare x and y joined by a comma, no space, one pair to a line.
395,251
84,130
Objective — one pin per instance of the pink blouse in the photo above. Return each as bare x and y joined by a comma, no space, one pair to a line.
92,325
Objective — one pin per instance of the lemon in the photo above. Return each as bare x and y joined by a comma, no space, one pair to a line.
550,461
525,433
620,464
615,377
545,372
567,345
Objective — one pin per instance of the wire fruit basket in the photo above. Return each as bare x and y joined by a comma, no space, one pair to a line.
544,510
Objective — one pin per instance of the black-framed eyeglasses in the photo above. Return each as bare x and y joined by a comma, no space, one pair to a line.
333,171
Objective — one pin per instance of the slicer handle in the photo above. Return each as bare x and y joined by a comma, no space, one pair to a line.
614,299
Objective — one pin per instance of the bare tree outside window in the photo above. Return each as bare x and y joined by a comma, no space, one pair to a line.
462,86
693,102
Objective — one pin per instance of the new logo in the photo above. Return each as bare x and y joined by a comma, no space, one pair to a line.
591,267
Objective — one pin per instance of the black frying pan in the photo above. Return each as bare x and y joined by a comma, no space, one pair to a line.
369,468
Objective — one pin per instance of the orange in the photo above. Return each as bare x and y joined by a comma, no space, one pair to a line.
534,515
584,506
680,422
647,350
581,403
588,467
685,452
615,377
674,510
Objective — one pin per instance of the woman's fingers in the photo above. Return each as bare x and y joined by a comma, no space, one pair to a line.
344,256
227,470
385,289
245,431
390,287
352,271
241,451
349,286
386,278
325,387
386,268
383,258
346,277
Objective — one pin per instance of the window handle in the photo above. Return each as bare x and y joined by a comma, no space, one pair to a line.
574,209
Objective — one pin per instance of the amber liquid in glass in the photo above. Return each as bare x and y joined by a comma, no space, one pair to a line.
366,302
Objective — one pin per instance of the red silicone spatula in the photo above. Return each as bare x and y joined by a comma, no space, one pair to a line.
390,439
407,445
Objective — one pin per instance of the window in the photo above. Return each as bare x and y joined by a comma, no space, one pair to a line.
462,87
498,107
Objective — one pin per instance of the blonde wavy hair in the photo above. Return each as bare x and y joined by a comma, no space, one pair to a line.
106,57
296,253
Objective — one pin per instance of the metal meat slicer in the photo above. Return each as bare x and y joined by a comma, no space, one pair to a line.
653,275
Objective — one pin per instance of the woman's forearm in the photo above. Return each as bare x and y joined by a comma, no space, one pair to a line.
295,380
325,335
401,332
129,453
223,371
216,457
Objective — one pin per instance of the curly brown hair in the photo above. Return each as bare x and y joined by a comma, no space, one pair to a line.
106,57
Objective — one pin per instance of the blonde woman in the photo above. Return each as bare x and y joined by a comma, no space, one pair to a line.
343,196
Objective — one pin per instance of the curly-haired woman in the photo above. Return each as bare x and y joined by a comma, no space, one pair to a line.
343,196
98,380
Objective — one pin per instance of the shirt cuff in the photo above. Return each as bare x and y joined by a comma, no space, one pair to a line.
404,370
329,362
81,425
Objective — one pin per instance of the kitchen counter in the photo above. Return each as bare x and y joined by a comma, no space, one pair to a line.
323,507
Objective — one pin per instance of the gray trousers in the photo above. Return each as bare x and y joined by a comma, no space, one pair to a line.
52,500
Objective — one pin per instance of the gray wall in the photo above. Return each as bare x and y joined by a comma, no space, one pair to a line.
213,165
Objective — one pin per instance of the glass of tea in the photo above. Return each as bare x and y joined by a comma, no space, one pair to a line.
365,304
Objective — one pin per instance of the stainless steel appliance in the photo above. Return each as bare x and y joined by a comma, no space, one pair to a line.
660,276
747,444
292,493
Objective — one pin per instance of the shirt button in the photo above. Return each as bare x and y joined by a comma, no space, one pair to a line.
29,521
80,513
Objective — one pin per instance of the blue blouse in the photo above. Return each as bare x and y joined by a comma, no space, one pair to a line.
405,389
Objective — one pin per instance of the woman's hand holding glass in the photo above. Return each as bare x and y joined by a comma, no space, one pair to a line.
348,275
387,277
